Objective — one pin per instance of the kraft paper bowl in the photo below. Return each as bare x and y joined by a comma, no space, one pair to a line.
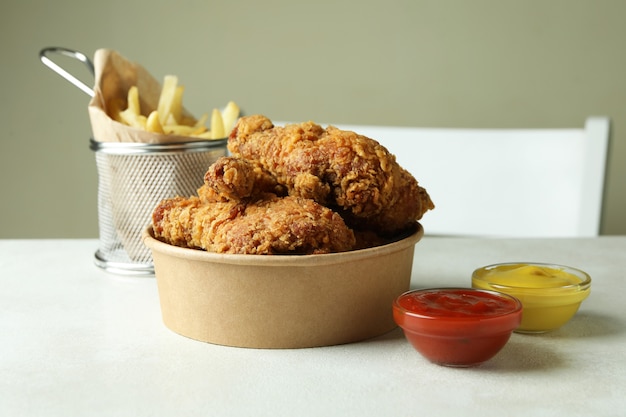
281,301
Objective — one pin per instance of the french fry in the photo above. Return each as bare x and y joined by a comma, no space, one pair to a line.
176,111
167,97
204,135
230,115
217,125
132,115
202,120
183,130
114,107
171,121
188,120
153,124
169,118
133,100
134,120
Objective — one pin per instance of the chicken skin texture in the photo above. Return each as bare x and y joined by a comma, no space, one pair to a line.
231,178
350,173
273,225
236,212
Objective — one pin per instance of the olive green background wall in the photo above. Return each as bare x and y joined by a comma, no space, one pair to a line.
456,63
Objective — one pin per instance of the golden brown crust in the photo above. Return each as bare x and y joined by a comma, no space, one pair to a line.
235,179
336,168
272,225
297,189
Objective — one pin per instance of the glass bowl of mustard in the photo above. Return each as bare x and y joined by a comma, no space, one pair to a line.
550,294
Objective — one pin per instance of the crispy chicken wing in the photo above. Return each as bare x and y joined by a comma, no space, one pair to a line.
339,169
273,225
236,211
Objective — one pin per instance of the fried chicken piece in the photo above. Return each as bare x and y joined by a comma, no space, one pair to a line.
239,209
231,178
336,168
271,225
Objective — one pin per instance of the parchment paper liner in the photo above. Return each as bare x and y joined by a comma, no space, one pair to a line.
131,173
114,75
281,301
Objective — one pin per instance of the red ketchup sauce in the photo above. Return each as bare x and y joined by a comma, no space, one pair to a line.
456,303
457,326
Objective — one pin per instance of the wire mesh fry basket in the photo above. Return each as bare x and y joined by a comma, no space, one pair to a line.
132,179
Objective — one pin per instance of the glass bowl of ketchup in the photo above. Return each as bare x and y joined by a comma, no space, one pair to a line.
458,327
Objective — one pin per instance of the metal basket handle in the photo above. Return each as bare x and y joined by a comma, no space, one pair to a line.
43,55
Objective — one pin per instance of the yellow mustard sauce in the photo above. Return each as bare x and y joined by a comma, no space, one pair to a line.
550,295
531,276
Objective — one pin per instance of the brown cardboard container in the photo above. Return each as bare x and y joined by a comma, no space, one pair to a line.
281,301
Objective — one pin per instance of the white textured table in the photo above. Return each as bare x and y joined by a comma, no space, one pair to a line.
76,341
